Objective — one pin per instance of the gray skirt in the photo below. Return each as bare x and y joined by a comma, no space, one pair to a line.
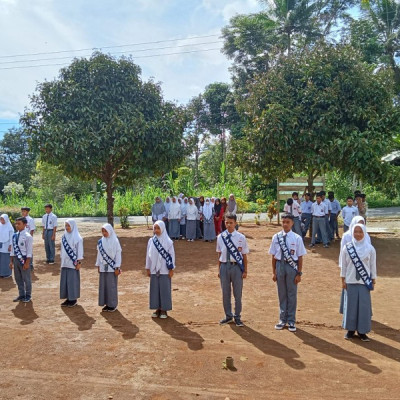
108,289
191,229
209,230
183,230
70,284
357,309
174,228
160,292
5,270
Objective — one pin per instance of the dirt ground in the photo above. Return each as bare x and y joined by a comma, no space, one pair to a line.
49,352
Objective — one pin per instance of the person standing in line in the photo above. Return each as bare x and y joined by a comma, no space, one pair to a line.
6,235
49,223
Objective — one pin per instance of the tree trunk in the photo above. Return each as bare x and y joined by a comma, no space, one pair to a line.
196,168
310,185
96,199
110,201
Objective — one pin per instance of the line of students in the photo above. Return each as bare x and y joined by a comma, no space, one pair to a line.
323,215
357,262
195,217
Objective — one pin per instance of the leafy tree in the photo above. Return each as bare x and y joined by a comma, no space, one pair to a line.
319,110
99,119
17,161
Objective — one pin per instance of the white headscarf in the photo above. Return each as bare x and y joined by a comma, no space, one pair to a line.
184,206
363,248
111,243
347,236
74,237
167,205
165,241
175,208
207,209
191,208
5,229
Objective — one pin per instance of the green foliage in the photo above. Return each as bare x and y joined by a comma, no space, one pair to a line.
325,109
123,214
272,210
100,120
146,211
12,212
242,207
13,189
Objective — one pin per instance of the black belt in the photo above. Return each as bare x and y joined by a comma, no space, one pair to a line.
230,262
314,216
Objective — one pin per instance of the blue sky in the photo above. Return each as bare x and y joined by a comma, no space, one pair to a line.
43,26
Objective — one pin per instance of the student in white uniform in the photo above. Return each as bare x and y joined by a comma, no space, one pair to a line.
287,250
30,226
327,217
20,257
305,207
319,210
174,218
348,213
109,266
232,252
71,260
358,273
158,211
160,266
184,206
333,219
49,223
293,207
6,234
191,220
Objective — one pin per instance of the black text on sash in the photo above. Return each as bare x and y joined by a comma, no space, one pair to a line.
233,251
359,266
17,250
163,253
109,261
286,253
69,251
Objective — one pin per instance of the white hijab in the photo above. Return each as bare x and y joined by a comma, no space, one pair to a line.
347,236
191,208
5,229
175,208
111,243
167,205
208,209
74,237
165,241
363,248
184,206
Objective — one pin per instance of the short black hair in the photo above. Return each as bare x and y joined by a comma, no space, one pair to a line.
25,209
288,216
48,205
295,194
357,191
331,193
363,195
323,193
23,219
358,195
231,216
307,194
349,197
318,194
289,201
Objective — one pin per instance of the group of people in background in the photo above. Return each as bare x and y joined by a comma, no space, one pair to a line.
194,217
322,214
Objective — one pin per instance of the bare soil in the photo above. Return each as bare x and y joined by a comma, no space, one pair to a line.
49,352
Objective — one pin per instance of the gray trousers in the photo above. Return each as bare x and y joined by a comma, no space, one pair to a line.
287,292
23,279
305,219
334,226
297,226
231,278
49,245
319,223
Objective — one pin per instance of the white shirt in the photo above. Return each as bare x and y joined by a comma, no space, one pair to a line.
328,204
238,239
101,263
348,270
348,213
49,221
294,243
335,206
294,209
153,267
66,262
306,207
174,214
30,226
319,210
158,217
191,213
25,243
6,245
